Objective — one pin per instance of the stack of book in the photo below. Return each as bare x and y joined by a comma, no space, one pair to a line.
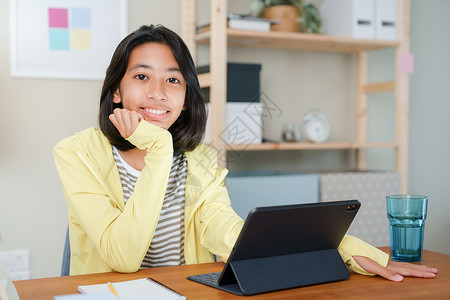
243,22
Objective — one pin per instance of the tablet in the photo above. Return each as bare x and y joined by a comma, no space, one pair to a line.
287,246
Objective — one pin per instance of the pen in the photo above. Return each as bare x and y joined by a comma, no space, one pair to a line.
111,288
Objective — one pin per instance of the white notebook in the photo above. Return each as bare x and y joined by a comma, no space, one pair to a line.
144,288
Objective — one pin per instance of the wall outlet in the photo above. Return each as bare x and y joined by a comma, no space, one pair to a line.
16,264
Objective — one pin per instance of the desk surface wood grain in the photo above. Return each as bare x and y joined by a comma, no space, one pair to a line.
356,287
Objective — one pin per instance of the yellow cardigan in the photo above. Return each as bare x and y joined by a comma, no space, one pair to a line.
107,235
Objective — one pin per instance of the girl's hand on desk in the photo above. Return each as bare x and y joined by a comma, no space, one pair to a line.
126,121
395,270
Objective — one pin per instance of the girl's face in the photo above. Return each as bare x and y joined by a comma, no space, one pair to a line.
153,85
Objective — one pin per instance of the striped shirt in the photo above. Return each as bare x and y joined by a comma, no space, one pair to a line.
167,246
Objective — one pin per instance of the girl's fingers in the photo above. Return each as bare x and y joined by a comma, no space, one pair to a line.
131,121
118,114
395,270
372,266
125,121
113,119
407,269
136,118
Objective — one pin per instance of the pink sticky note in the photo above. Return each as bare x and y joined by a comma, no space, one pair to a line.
406,62
58,18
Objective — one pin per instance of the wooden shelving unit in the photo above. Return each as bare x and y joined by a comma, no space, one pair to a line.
220,37
296,41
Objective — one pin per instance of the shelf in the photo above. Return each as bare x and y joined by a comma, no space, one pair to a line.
379,87
297,41
311,146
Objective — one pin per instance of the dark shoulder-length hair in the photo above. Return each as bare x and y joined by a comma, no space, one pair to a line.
188,130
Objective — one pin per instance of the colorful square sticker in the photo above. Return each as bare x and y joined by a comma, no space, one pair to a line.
80,39
80,18
58,18
59,39
406,62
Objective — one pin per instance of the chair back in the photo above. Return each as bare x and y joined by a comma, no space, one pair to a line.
65,267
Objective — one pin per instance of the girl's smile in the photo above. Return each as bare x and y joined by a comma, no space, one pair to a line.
155,113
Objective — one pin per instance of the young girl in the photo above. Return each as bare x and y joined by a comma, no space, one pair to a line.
142,191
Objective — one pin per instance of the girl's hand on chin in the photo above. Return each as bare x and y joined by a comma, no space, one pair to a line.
126,121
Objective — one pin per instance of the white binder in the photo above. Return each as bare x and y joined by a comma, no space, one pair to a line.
349,18
386,20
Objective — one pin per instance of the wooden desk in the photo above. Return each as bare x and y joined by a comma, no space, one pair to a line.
356,287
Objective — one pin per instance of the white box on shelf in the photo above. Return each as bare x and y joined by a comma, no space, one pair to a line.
349,18
386,20
243,123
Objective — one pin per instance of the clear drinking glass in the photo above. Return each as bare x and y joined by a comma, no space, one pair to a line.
406,215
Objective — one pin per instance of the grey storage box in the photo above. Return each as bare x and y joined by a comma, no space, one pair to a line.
370,188
248,190
243,82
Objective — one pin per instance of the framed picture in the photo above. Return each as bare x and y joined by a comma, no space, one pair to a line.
68,39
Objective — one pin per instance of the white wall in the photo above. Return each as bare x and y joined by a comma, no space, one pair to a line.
37,113
429,145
